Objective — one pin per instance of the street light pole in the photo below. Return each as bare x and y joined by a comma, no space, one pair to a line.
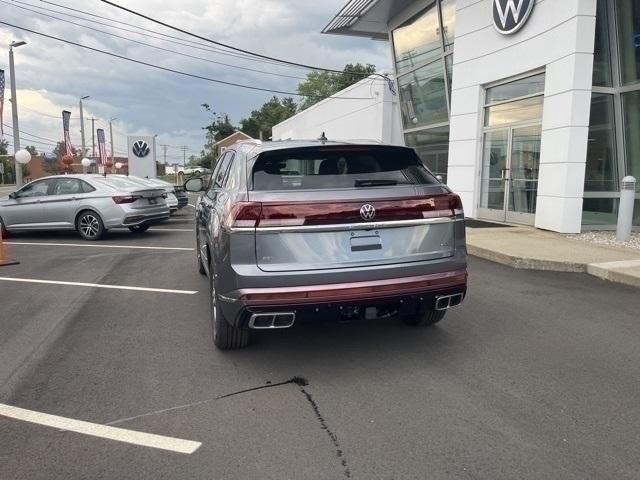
14,111
111,136
84,145
93,137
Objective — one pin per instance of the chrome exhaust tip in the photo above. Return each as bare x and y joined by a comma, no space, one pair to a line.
446,302
267,321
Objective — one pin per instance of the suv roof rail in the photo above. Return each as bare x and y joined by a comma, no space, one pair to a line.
249,141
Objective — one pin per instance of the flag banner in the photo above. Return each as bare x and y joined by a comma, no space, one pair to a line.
102,150
66,116
1,103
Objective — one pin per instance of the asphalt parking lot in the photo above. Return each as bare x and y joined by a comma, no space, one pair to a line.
535,376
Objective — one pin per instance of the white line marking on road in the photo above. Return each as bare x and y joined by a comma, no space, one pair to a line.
150,440
193,206
93,245
172,229
98,285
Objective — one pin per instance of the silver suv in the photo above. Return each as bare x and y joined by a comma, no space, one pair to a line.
296,230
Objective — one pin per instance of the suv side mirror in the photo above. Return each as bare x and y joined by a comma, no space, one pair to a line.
439,178
194,184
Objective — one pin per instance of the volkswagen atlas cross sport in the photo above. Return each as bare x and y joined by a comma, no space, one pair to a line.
297,230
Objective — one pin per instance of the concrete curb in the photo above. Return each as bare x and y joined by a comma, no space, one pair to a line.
619,272
625,272
526,263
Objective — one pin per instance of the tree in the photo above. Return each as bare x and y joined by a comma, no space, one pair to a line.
32,150
260,122
220,126
6,163
321,85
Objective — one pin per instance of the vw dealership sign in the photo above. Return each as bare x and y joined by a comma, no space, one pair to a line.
509,16
140,149
142,155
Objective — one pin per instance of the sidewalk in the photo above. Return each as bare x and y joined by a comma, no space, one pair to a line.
528,248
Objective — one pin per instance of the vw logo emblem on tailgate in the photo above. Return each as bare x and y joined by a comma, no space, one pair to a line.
367,212
140,149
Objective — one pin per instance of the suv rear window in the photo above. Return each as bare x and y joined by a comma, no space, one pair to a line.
343,167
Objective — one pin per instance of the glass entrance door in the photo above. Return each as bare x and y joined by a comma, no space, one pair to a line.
510,167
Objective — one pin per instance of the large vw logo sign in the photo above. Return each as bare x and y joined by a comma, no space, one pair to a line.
140,149
367,212
509,16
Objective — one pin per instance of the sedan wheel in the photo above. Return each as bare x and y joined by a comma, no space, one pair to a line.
90,226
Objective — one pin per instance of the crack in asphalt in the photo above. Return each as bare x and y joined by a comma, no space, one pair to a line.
301,382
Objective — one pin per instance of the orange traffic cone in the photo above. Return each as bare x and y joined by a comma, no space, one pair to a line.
4,261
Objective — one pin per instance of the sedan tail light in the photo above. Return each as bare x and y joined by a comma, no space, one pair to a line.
119,199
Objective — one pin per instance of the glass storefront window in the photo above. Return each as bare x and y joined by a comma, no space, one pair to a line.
629,40
514,112
417,41
519,88
602,50
432,146
423,97
448,8
631,111
601,173
599,211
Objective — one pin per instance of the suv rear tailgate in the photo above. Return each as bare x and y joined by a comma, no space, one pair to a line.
313,234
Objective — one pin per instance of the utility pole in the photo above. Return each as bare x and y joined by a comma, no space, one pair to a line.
84,146
14,112
164,153
184,156
111,135
93,137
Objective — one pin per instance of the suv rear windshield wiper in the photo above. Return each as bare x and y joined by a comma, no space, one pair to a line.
375,183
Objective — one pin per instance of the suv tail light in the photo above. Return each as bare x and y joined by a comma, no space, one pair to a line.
243,215
119,199
254,214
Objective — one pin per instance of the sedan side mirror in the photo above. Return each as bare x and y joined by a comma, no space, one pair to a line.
13,195
194,184
439,178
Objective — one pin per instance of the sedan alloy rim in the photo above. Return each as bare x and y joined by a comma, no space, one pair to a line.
89,225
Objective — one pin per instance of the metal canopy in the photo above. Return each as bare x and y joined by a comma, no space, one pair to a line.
349,15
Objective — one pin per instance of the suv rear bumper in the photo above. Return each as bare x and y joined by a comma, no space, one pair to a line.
237,305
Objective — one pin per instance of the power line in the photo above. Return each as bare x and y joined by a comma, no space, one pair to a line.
148,44
24,132
230,47
179,72
190,44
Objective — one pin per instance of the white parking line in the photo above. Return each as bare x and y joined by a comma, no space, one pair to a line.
97,285
193,206
172,229
95,245
96,430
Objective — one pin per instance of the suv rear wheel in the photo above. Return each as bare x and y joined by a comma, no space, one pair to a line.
225,335
424,319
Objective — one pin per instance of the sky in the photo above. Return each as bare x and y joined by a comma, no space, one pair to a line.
51,76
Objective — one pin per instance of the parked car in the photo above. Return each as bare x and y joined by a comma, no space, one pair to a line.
294,230
89,204
177,190
172,200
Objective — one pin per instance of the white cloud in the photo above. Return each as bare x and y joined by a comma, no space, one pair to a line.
51,76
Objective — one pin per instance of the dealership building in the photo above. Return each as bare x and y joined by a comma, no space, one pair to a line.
530,110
